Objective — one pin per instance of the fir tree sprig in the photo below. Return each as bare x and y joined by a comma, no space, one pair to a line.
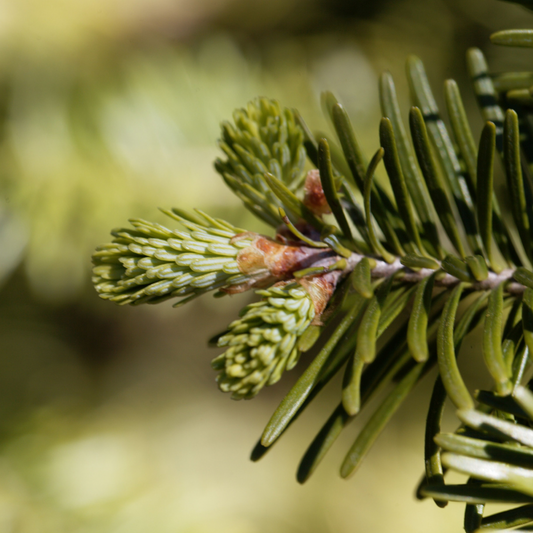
264,139
150,263
263,343
442,244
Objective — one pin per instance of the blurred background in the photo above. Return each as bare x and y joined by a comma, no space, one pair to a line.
110,419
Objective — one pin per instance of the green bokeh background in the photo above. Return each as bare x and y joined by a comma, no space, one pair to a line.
110,419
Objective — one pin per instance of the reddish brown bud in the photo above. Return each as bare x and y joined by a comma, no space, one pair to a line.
321,289
314,197
266,261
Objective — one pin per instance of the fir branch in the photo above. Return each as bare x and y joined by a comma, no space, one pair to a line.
441,238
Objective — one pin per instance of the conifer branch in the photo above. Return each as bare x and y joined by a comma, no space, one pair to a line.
348,259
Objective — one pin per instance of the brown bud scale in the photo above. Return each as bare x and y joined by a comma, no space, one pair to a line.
321,289
266,261
314,197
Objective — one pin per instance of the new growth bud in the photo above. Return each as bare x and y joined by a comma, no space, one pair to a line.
263,343
265,138
151,263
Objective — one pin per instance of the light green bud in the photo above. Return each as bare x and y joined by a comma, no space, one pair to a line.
150,263
262,344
